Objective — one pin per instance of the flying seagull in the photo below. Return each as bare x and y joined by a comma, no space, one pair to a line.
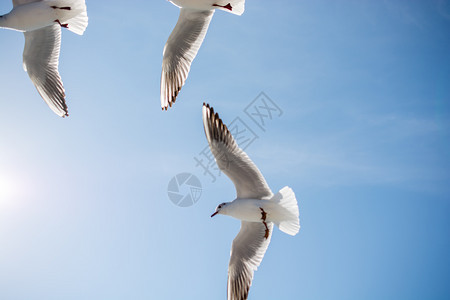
41,22
185,41
255,205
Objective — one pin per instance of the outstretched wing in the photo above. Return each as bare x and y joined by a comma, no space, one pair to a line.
232,160
180,50
40,60
247,252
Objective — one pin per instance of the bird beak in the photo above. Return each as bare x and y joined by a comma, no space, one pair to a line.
214,214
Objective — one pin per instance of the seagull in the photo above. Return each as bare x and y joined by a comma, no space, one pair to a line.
185,41
255,205
41,22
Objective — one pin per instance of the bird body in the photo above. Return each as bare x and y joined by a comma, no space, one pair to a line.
35,15
29,17
281,209
246,209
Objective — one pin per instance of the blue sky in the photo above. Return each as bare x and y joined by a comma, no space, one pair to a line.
363,141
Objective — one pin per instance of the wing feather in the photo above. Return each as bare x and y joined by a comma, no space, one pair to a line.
180,50
247,252
232,160
40,60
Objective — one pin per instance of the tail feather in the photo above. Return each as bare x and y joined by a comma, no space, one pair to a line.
287,217
79,23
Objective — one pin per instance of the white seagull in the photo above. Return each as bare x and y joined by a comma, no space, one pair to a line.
41,22
255,205
185,41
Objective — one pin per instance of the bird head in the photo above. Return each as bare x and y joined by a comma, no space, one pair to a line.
218,209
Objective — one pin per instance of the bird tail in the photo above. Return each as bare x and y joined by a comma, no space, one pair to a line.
286,216
236,7
73,13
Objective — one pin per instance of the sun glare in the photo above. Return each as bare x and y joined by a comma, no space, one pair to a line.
7,190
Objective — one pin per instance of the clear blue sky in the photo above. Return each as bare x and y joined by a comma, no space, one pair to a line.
364,141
